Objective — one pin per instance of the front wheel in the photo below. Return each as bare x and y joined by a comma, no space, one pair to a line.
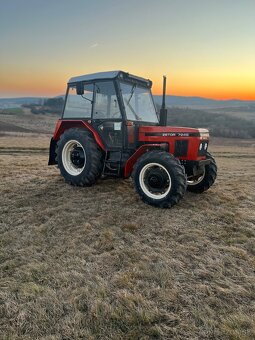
159,179
206,180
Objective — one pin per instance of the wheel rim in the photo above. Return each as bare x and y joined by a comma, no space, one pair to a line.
155,180
73,157
196,181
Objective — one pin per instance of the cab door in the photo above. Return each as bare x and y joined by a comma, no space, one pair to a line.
106,115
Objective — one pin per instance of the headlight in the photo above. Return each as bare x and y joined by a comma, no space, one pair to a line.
204,133
202,148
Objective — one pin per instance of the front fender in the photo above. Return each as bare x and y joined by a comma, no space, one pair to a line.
139,152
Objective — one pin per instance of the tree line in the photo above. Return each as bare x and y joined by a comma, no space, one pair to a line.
50,105
220,125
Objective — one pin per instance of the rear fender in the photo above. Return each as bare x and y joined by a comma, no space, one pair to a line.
63,125
52,152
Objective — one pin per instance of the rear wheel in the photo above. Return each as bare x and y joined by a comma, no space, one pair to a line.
206,180
159,179
79,158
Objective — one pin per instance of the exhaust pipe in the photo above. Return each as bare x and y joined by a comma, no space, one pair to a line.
163,110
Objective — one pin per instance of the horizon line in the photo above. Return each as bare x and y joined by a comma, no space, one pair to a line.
158,95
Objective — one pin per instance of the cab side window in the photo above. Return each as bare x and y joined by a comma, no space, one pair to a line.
79,106
106,113
106,104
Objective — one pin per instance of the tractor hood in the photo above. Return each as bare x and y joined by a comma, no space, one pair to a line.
170,131
183,142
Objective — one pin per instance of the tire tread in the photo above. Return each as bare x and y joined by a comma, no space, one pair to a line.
209,179
180,178
86,178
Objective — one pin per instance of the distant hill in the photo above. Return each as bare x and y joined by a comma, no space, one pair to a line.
219,124
232,118
6,103
200,102
178,101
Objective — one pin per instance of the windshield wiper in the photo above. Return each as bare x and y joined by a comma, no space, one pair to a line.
131,93
91,101
132,110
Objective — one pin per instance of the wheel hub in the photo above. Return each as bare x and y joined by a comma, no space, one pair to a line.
196,180
155,180
77,157
73,157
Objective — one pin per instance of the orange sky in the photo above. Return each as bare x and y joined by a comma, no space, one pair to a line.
204,48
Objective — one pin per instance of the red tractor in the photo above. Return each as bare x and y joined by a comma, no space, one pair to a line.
110,127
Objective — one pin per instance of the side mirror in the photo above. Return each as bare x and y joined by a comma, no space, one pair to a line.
79,89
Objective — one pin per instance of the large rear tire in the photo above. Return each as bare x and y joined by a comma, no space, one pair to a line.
79,158
159,179
205,181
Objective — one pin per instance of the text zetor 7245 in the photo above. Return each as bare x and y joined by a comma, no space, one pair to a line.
110,127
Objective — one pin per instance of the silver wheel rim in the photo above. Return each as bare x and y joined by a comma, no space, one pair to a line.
145,187
69,166
196,181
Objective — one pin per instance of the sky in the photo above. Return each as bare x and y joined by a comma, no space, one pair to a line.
205,48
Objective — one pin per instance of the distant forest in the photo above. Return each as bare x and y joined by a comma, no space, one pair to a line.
50,105
220,125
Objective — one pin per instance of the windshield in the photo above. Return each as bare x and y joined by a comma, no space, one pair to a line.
138,103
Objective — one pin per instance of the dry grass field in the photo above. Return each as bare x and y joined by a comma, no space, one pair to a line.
97,263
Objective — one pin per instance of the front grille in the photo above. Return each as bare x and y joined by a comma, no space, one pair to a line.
203,148
181,148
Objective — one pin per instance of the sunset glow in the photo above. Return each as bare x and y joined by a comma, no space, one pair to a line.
204,48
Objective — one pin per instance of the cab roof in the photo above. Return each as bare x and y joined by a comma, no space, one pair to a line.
109,75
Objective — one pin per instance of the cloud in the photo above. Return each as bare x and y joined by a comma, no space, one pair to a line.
93,45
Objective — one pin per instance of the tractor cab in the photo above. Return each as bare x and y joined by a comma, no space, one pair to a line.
114,103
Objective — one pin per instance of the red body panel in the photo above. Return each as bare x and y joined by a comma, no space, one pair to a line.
169,134
150,137
63,125
131,161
